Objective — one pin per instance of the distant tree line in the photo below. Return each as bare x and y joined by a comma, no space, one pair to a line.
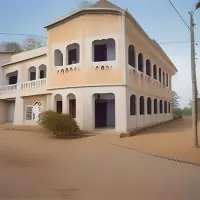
29,43
177,111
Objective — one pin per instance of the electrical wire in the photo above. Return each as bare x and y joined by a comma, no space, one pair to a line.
179,14
21,34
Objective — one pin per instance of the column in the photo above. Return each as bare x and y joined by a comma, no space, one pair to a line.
19,111
121,110
136,59
64,104
37,73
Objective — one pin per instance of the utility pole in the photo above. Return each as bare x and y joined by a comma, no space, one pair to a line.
194,82
193,70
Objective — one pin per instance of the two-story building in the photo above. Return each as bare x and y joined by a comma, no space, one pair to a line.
99,65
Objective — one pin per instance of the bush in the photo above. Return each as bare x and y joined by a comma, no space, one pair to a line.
177,116
60,125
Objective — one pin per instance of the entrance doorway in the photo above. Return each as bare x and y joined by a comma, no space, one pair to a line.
104,110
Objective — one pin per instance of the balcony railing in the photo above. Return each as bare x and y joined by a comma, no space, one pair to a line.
8,88
23,86
33,84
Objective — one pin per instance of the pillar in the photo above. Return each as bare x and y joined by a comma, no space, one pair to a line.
19,111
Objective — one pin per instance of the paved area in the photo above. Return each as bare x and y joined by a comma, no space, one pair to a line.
34,166
173,139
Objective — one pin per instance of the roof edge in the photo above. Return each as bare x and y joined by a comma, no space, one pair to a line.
25,59
80,12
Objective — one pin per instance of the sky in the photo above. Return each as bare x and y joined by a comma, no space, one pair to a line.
157,18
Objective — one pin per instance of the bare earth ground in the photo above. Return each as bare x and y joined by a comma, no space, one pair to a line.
37,167
173,139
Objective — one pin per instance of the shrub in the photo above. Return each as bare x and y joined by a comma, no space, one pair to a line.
177,116
60,125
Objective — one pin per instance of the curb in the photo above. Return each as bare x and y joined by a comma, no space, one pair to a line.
158,156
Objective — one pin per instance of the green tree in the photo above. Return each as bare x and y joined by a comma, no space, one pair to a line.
175,100
10,46
187,111
31,43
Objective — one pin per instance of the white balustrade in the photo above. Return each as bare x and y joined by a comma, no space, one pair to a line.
33,84
8,88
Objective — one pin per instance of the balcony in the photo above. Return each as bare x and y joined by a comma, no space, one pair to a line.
33,84
8,88
23,86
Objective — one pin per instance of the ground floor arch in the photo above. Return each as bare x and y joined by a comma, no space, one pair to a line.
104,110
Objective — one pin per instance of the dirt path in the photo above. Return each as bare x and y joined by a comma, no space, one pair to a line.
173,139
34,166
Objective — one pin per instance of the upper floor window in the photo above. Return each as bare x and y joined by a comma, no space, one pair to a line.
160,74
58,58
131,55
148,67
11,78
140,62
103,50
167,79
42,71
155,72
32,73
164,78
133,105
73,53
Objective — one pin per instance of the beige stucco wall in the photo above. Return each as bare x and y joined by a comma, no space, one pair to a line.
138,81
30,100
135,37
83,30
4,58
140,121
23,67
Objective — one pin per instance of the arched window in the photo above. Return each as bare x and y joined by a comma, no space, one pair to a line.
149,106
131,55
169,107
161,106
148,67
167,79
103,50
72,52
140,62
133,105
164,78
141,105
58,58
155,106
165,106
42,71
160,74
72,104
155,72
58,103
32,73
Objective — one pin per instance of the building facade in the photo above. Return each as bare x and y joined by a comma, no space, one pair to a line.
99,66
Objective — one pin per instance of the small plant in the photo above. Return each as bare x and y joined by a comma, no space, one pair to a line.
60,125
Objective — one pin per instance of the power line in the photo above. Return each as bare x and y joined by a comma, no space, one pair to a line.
179,14
21,34
176,42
